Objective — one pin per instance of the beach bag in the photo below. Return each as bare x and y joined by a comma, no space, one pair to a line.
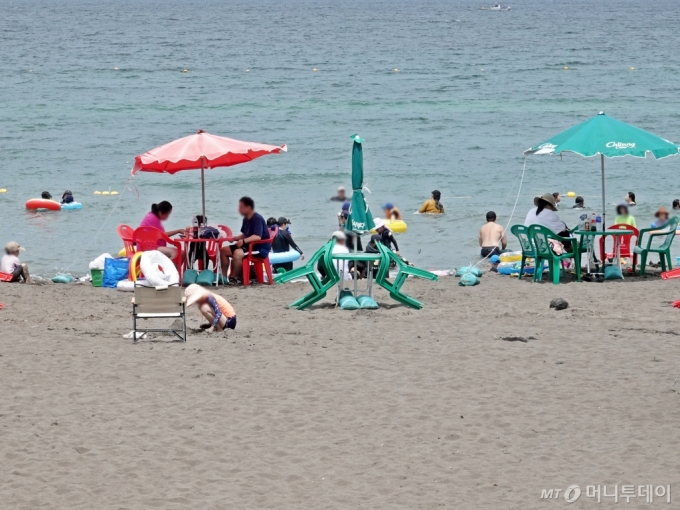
475,271
115,270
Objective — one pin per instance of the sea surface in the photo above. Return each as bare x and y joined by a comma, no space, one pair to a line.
447,96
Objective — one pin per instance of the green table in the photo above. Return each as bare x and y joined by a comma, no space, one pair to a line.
358,257
585,234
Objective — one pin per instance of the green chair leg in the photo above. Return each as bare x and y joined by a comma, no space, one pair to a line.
557,271
521,267
407,300
643,263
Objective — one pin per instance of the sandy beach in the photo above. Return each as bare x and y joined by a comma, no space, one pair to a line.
327,408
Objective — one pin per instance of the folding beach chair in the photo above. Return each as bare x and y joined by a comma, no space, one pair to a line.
159,303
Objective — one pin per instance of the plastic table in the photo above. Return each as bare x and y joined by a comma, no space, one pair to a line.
591,246
358,257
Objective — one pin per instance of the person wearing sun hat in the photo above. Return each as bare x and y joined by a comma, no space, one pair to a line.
10,263
662,216
545,213
217,311
384,235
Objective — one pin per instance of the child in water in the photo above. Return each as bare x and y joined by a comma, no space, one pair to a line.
67,197
216,310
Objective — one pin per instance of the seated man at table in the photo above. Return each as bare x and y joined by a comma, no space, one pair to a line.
254,228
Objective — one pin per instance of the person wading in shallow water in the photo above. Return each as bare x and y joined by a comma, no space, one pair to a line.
491,235
432,206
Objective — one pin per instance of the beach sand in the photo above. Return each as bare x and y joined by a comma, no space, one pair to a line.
331,409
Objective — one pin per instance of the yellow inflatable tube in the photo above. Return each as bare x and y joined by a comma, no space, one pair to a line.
396,226
514,256
135,271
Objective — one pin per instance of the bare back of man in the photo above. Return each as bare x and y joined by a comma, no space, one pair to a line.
492,236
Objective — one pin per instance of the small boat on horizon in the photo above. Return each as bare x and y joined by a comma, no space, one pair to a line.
496,7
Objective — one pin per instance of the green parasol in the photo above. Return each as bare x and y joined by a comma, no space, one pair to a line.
608,137
360,219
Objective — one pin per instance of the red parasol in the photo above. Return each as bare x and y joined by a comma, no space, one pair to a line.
201,151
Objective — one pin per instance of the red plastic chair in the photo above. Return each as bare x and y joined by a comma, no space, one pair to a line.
261,265
126,233
146,239
626,244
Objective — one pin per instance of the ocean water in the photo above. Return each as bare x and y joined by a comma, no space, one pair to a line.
85,86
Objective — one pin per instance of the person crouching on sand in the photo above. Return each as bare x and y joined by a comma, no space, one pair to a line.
491,235
216,310
11,264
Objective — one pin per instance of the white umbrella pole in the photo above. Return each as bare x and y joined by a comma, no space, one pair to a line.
604,210
203,186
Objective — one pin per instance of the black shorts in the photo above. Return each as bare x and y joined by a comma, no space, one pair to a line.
490,251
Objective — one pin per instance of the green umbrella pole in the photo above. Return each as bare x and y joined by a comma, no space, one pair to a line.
604,210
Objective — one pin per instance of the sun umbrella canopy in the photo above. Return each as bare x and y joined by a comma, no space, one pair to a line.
201,150
360,219
609,137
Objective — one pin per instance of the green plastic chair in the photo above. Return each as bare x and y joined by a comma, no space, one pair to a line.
320,286
404,271
664,250
521,232
539,236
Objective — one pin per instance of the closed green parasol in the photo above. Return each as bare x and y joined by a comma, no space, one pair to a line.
608,137
360,219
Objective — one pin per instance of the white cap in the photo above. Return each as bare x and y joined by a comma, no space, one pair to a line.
339,234
341,188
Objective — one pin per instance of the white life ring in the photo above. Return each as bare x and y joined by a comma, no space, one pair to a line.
149,264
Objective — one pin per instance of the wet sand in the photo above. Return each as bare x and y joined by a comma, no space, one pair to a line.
327,408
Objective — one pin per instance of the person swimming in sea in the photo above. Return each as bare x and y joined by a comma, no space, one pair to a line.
432,206
67,197
391,212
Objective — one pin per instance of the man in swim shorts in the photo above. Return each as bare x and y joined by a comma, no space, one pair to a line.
491,235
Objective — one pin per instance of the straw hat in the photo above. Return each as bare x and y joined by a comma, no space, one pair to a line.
194,292
660,211
547,197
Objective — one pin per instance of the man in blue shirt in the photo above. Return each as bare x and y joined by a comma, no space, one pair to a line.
254,228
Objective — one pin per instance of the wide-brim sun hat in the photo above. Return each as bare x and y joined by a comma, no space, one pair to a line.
379,222
194,292
660,211
546,197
